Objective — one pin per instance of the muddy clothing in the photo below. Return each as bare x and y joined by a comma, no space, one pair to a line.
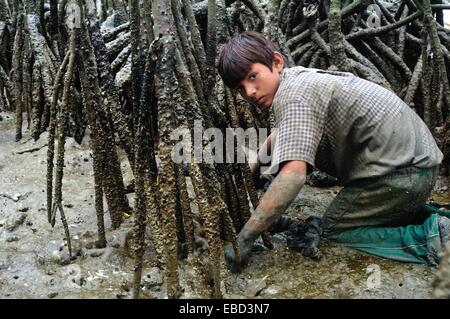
376,146
389,200
346,126
354,217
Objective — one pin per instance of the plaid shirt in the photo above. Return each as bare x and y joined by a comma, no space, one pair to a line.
346,126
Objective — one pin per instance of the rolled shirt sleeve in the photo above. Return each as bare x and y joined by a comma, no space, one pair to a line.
300,128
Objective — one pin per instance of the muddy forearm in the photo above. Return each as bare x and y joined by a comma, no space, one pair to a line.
275,201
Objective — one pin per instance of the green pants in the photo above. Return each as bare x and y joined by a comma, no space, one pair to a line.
386,216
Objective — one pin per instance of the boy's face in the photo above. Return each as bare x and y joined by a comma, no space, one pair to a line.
260,84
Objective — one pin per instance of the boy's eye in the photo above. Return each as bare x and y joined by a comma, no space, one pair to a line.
252,77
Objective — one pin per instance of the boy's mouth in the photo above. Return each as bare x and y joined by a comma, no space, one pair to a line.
259,101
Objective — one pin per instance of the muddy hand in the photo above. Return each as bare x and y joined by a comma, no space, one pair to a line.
305,238
233,264
275,201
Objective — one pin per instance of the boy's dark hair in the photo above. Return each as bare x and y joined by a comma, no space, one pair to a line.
240,53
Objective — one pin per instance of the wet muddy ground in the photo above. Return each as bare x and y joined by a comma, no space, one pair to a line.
34,259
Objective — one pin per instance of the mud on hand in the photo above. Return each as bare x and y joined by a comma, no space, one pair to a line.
305,238
233,265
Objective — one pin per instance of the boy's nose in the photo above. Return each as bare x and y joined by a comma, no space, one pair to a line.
250,92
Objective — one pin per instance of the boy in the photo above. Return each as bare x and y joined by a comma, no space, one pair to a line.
377,147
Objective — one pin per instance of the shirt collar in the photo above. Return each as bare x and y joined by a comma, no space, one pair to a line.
282,78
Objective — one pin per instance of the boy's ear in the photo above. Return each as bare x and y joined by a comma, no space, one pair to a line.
278,61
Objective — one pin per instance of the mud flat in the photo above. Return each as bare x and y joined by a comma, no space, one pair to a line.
34,259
